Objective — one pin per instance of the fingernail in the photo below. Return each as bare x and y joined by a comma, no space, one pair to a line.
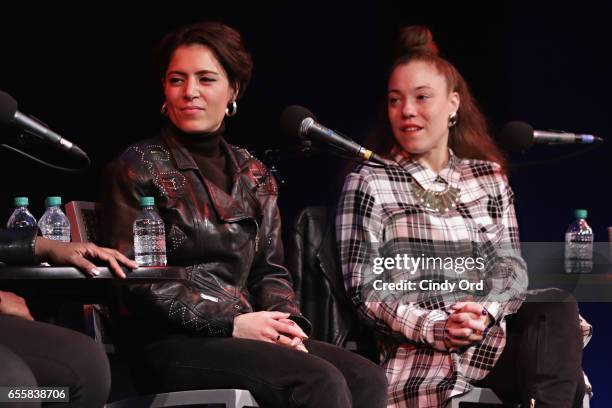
94,271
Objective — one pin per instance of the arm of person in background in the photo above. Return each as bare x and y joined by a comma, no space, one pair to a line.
80,255
12,304
24,247
359,234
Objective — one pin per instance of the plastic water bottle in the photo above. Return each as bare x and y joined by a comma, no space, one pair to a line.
579,245
54,224
149,235
21,217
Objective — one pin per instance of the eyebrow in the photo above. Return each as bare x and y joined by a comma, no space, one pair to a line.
418,88
201,72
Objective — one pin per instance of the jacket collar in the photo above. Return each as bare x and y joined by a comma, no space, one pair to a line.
228,207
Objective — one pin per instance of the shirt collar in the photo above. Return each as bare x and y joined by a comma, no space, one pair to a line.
426,177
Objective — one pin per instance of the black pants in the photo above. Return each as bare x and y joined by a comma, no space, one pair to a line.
40,354
543,354
327,376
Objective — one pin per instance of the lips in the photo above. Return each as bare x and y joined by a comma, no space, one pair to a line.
410,128
192,110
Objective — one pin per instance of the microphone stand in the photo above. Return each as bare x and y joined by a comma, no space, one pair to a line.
23,139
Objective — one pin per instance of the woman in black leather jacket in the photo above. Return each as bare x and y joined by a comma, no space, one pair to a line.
65,358
236,323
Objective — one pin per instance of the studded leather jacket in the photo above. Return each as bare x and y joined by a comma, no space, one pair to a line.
230,244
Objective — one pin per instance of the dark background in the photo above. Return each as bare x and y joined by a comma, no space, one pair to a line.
86,72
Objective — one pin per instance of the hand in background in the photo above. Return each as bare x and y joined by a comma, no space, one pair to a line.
271,327
78,254
12,304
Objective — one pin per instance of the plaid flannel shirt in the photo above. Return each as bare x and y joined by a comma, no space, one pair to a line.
379,215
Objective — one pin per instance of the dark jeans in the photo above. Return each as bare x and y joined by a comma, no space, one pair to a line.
40,354
327,376
543,354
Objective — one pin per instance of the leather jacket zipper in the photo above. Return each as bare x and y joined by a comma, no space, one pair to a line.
256,228
256,236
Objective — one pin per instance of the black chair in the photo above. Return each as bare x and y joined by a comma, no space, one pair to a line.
313,261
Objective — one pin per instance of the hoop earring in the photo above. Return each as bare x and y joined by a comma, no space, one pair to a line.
452,120
232,109
164,109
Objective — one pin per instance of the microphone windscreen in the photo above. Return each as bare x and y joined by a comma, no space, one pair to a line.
8,107
291,119
516,137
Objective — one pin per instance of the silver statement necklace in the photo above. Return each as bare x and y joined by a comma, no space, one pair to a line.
439,202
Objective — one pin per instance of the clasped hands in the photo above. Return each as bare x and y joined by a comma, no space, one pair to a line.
466,325
271,327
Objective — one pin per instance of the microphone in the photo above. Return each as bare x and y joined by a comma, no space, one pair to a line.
10,115
297,120
520,136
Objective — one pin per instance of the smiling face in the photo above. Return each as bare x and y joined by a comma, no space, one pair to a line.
419,105
197,90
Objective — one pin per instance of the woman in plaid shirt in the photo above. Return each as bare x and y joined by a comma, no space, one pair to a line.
430,254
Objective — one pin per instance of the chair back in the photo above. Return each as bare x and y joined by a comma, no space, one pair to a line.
85,221
312,259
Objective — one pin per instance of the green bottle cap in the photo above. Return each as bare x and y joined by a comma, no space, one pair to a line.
21,201
52,201
147,201
580,213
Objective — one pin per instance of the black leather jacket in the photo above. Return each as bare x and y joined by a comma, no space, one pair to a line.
17,246
231,245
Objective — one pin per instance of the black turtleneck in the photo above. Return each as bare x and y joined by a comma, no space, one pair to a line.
205,148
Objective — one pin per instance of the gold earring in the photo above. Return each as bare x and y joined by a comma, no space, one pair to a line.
452,119
232,109
164,109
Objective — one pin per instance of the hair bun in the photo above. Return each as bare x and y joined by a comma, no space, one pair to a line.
415,40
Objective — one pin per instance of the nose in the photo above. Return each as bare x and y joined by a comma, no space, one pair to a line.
191,89
408,109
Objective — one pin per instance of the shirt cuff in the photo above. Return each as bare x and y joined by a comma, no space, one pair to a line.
495,311
433,330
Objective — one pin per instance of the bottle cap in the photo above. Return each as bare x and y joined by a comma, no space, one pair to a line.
580,213
21,201
147,201
52,201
